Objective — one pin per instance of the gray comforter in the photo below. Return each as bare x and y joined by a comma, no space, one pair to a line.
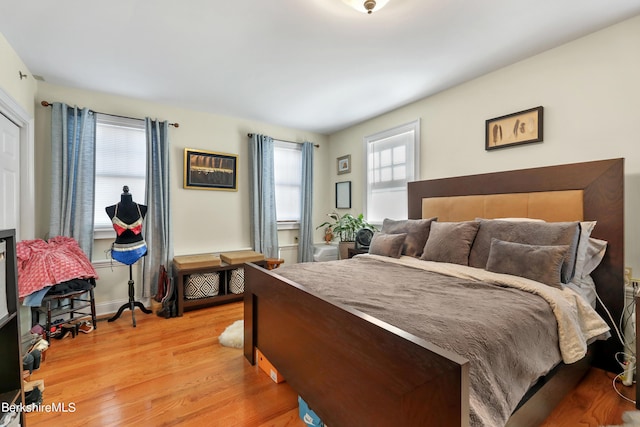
509,336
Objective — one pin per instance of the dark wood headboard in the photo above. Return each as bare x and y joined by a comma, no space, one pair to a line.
602,183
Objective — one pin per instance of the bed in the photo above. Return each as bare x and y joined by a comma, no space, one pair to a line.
354,368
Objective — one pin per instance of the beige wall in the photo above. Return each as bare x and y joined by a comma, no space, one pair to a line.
590,91
203,221
22,91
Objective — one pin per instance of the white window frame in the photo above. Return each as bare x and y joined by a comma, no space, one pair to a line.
104,232
289,224
413,152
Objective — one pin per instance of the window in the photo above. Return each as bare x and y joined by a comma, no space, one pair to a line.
288,180
393,159
121,159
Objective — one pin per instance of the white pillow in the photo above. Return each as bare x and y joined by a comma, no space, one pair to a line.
586,288
586,227
590,251
595,253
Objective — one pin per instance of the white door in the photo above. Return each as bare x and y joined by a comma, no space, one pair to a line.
9,174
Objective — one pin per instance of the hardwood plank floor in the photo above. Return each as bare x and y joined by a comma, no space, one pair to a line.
173,372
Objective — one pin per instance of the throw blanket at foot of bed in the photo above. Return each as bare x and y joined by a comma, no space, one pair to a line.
510,336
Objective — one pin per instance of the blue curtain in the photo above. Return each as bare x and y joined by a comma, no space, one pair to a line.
305,242
73,148
157,225
264,222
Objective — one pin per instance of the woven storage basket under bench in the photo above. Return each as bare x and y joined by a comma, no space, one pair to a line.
209,279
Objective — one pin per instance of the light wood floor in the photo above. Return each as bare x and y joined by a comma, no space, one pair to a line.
169,372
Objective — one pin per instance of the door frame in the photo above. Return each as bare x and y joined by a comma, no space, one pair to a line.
14,112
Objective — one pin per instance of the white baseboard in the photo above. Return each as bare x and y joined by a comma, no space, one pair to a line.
111,307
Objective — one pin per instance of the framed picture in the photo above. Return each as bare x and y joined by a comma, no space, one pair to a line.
343,195
518,128
208,170
344,164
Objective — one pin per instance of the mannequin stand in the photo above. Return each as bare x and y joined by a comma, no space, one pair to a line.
132,304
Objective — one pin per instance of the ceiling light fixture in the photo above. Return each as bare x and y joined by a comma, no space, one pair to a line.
366,6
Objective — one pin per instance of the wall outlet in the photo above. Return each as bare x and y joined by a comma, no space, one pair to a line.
628,274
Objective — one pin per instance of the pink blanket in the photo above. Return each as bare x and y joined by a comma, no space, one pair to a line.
42,264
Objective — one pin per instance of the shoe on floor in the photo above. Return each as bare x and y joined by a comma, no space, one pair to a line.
85,327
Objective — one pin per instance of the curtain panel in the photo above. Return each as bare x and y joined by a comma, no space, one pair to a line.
264,221
157,225
305,240
73,143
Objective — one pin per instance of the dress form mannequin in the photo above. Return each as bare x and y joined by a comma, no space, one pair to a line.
127,217
129,245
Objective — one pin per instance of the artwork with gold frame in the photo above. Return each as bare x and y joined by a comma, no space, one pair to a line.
523,127
208,170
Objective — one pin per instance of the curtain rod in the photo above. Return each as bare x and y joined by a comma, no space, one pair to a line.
250,135
48,104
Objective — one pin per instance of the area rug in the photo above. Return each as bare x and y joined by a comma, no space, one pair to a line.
233,336
630,419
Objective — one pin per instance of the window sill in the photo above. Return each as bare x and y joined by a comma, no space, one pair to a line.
289,225
104,234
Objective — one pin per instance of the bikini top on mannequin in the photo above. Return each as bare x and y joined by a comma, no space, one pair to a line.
121,226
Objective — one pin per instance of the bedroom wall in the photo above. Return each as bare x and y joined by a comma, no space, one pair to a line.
203,221
21,90
590,91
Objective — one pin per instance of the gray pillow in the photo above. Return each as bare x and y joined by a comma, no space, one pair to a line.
387,244
417,231
450,242
536,262
531,233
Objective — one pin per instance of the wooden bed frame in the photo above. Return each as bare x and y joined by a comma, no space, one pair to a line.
353,369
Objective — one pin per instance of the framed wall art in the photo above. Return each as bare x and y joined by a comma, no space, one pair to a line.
343,195
523,127
208,170
344,164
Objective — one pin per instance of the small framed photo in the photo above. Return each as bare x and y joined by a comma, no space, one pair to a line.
523,127
208,170
344,164
343,195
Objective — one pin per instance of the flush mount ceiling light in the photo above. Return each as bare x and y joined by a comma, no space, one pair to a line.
366,6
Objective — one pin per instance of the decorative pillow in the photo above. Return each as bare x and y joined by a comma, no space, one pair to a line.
531,233
450,242
536,262
387,244
417,231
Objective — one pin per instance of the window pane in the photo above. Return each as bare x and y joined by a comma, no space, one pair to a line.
400,173
288,180
121,159
385,174
399,154
385,158
392,161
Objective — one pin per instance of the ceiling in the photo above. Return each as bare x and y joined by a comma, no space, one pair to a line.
313,65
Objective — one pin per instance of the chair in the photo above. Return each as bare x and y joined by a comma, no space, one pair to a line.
75,303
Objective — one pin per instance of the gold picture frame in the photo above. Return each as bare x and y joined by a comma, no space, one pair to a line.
209,170
523,127
344,164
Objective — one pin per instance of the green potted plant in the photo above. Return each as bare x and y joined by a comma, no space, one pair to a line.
346,227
